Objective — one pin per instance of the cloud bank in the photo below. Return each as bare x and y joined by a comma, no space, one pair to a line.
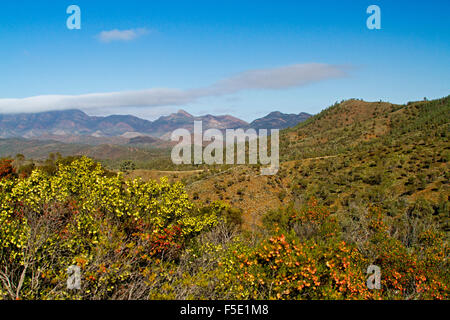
286,77
280,78
121,35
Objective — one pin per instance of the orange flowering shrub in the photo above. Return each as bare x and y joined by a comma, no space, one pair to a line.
376,223
312,213
281,268
407,274
313,220
284,267
318,264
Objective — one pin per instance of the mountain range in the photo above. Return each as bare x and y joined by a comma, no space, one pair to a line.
77,127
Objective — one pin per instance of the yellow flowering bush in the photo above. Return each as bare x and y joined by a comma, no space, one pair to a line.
78,216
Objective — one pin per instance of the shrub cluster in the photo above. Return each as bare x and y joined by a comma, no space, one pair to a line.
146,240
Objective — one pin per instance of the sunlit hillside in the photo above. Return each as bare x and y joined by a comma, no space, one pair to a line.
360,183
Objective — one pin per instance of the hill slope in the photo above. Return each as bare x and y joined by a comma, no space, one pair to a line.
352,155
40,149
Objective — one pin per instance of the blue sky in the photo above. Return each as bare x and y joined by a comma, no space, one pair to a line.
244,57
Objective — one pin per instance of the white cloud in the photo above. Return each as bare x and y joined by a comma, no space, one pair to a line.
280,78
121,35
151,98
262,79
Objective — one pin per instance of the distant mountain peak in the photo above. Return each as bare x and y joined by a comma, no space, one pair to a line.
274,113
184,113
279,120
76,123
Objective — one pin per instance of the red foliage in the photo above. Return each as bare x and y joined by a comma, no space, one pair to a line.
7,170
167,240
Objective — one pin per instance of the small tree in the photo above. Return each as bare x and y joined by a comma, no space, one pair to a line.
26,170
127,165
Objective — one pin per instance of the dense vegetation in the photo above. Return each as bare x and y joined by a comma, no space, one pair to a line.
379,195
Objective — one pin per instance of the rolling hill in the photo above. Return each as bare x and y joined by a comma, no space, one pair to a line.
351,156
40,149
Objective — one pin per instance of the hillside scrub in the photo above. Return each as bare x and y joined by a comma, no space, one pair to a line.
147,240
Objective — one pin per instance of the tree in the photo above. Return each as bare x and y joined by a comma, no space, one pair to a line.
127,165
26,170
